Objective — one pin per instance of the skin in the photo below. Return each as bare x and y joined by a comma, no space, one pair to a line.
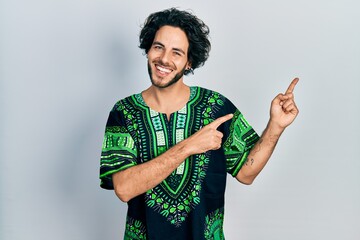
283,112
167,58
167,94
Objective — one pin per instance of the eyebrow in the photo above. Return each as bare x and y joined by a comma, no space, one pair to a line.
175,49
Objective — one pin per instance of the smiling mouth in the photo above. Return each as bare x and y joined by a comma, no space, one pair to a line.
163,70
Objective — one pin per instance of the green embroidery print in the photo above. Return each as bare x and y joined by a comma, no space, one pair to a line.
180,192
237,146
115,138
134,230
135,134
214,102
175,205
214,225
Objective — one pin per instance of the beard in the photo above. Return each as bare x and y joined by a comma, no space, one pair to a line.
175,79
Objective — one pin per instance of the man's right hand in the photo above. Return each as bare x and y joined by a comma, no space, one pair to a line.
138,179
207,138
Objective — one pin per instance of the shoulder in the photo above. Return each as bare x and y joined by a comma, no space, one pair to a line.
125,112
213,97
206,90
129,103
214,104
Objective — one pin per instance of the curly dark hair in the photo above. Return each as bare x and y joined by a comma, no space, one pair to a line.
195,29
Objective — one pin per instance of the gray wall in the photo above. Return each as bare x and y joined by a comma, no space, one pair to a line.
65,63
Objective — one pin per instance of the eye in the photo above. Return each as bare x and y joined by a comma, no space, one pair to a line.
157,47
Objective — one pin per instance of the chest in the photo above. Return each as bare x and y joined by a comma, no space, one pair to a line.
157,132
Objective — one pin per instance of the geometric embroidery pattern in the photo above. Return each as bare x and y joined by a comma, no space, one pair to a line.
135,134
214,225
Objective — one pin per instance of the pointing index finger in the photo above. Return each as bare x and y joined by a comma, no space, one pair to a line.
216,123
292,85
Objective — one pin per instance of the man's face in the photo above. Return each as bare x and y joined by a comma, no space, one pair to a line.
167,56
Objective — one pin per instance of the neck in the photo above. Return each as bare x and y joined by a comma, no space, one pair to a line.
167,100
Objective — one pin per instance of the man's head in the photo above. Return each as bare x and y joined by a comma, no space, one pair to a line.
167,56
195,31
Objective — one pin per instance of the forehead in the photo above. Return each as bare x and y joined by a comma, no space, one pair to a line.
172,37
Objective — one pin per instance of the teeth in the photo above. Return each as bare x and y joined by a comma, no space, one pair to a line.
163,69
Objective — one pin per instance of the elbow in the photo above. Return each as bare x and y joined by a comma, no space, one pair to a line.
122,194
244,179
121,187
248,182
123,198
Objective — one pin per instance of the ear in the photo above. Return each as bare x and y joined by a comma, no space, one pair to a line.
188,66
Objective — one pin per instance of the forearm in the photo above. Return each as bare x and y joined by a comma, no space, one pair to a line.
140,178
260,154
136,180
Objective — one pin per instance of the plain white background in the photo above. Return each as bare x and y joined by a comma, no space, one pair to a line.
63,64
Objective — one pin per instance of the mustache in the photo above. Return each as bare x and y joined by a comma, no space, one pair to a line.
160,62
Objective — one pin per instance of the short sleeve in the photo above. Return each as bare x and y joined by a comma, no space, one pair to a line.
239,137
119,150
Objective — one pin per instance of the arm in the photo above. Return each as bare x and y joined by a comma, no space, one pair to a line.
136,180
140,178
282,113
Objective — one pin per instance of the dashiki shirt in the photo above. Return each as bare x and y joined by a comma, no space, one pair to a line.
189,203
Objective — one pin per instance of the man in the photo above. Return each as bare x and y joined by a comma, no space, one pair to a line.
167,150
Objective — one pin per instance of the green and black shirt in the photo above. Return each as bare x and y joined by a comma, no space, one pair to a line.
189,203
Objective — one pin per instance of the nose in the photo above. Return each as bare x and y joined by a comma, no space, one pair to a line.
165,57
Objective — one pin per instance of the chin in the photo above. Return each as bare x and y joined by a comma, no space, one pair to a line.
167,84
163,82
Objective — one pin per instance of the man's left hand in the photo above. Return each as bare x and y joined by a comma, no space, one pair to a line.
283,108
